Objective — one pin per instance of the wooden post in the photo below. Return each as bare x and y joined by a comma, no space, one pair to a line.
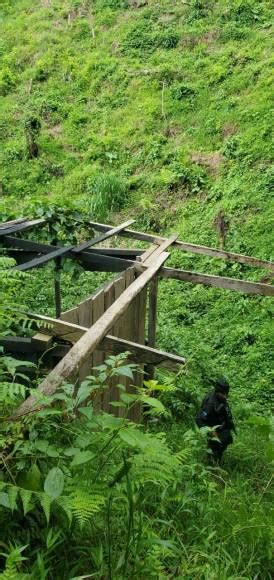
152,321
57,287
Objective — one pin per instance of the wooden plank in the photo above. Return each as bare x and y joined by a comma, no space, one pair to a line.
161,248
103,237
218,281
119,287
68,330
127,253
140,353
98,306
152,320
91,339
85,318
44,340
19,227
109,297
22,345
57,253
193,248
112,344
148,253
37,262
35,247
5,225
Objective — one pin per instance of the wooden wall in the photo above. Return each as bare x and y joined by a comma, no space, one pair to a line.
131,326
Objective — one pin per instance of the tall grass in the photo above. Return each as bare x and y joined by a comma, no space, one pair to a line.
108,194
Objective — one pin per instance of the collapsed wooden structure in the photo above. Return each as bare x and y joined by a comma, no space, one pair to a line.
113,320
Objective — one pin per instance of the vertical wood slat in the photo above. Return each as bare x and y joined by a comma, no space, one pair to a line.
85,318
119,287
98,357
130,326
152,320
109,298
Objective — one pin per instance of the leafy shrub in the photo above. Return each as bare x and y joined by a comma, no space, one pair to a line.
246,11
197,9
108,194
181,91
7,81
146,37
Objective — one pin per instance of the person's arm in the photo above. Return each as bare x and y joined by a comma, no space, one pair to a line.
203,418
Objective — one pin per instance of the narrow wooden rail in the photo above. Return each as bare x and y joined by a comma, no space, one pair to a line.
192,248
243,286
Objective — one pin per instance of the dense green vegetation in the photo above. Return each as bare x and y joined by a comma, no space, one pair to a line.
157,109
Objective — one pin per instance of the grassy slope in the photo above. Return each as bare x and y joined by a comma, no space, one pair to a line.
174,100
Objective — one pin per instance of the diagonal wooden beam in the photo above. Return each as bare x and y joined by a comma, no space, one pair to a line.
19,227
65,250
103,237
161,248
193,248
91,339
5,225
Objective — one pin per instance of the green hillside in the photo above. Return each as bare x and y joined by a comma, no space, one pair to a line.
158,110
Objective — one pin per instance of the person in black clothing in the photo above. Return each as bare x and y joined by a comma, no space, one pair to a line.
215,412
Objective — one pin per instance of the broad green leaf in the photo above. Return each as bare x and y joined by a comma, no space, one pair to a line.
70,451
124,372
154,403
82,457
133,437
26,496
45,501
127,398
54,483
13,492
87,412
4,499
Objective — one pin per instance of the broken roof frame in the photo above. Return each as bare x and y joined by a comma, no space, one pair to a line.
149,264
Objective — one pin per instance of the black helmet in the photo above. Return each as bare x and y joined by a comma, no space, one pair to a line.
222,385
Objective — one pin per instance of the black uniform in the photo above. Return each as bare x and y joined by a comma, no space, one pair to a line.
215,412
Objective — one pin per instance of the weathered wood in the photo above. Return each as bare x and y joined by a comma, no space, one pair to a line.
119,287
98,305
58,252
161,248
111,344
148,253
23,345
140,353
29,346
57,287
91,339
62,328
5,225
44,341
218,281
28,246
19,227
192,248
103,237
152,320
37,262
130,253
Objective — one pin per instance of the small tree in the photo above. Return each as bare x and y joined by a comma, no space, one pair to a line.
32,126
